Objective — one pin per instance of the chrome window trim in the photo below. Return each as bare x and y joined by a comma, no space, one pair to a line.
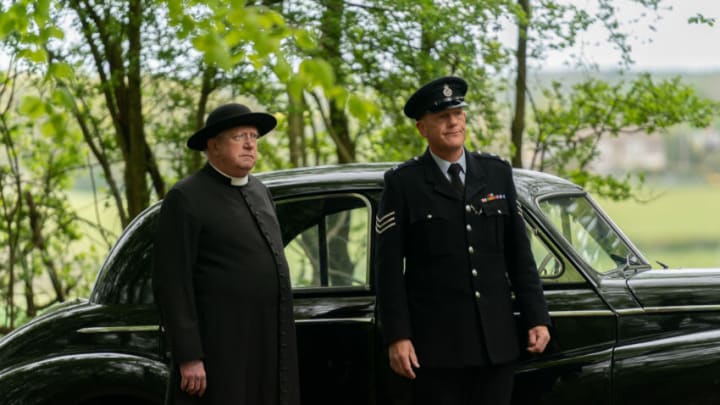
631,311
355,289
120,329
334,320
668,309
635,311
582,313
156,328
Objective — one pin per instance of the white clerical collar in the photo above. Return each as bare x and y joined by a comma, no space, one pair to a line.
444,165
234,181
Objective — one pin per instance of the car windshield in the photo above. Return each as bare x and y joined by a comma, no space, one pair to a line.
587,230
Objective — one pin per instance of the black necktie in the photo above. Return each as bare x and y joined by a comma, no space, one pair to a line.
454,171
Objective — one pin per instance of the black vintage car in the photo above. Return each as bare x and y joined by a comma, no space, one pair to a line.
622,332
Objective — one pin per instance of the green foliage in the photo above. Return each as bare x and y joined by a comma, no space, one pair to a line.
569,127
608,186
227,36
701,19
213,48
362,108
38,228
27,26
390,48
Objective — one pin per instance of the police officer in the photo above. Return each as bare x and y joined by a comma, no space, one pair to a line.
451,248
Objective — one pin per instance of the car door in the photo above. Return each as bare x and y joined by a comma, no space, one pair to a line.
327,245
576,366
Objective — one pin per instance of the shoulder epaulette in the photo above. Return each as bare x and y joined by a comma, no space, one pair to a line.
486,155
408,163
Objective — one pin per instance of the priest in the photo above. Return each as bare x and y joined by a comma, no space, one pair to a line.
220,276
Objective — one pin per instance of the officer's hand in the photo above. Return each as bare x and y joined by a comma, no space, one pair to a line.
403,358
538,338
192,377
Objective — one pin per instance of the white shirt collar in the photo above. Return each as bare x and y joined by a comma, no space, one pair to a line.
444,165
234,181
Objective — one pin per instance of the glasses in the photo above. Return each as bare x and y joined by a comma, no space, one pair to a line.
243,136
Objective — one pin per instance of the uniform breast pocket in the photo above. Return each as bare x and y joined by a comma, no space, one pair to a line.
429,233
493,216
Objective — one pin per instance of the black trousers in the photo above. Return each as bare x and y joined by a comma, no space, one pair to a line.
491,385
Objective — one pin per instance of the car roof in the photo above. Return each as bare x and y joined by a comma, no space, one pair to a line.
353,176
313,179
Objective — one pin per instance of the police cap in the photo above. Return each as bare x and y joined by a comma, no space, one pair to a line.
440,94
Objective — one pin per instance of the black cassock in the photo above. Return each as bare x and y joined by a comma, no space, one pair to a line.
221,282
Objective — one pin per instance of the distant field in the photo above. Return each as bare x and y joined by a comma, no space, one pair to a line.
680,228
108,218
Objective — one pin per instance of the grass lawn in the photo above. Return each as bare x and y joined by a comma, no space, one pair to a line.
680,228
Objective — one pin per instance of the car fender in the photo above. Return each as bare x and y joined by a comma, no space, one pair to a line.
86,378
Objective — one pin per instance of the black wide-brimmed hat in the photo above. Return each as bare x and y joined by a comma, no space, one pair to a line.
440,94
228,116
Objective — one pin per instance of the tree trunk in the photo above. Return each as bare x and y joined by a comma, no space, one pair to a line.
518,123
11,216
207,87
296,129
94,141
157,180
106,45
340,127
330,40
116,46
39,245
136,162
30,308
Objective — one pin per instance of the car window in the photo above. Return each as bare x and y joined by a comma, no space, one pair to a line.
552,267
588,232
126,275
326,240
549,266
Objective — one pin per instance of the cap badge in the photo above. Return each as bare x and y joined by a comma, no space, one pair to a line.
447,91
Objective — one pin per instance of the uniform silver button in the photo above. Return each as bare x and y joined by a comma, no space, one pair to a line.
429,216
468,227
471,250
477,294
468,208
474,272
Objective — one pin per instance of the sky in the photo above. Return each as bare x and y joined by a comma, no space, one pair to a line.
674,46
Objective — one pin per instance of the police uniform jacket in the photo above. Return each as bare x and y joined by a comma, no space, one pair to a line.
447,263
